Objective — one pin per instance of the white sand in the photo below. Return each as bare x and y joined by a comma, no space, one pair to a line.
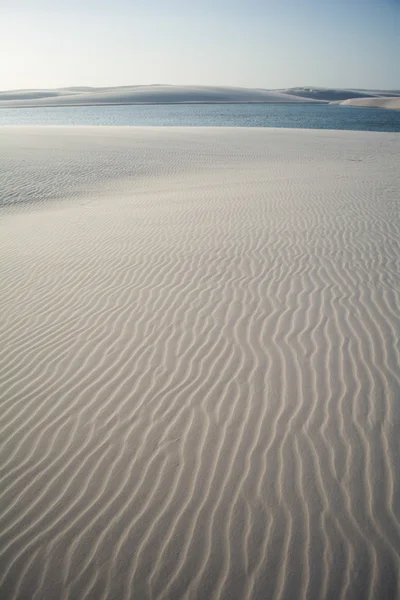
336,95
381,102
200,366
175,94
143,94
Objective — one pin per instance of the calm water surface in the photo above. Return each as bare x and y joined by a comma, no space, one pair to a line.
305,116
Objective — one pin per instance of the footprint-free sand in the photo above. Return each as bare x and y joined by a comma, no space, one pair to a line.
199,364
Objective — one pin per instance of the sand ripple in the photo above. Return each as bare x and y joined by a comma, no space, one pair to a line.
199,364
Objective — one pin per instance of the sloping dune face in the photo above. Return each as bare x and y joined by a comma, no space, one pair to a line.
145,94
178,94
336,95
200,371
383,102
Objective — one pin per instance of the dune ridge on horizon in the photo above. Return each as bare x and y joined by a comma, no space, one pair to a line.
144,94
174,94
199,364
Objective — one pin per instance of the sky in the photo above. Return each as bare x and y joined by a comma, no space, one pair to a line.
255,43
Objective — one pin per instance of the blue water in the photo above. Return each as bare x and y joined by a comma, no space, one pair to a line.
310,116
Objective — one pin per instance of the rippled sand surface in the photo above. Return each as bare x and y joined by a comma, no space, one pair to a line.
199,364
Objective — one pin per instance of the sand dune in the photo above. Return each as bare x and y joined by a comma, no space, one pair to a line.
174,94
336,95
200,365
145,94
378,102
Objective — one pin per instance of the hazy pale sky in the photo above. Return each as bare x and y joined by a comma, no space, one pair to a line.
258,43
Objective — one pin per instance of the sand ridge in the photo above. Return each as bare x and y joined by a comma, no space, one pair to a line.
382,102
199,363
144,94
178,94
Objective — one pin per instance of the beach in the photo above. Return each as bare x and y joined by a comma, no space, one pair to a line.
200,363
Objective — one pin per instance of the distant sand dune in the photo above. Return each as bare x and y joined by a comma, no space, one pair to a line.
381,102
144,94
337,95
178,94
199,364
